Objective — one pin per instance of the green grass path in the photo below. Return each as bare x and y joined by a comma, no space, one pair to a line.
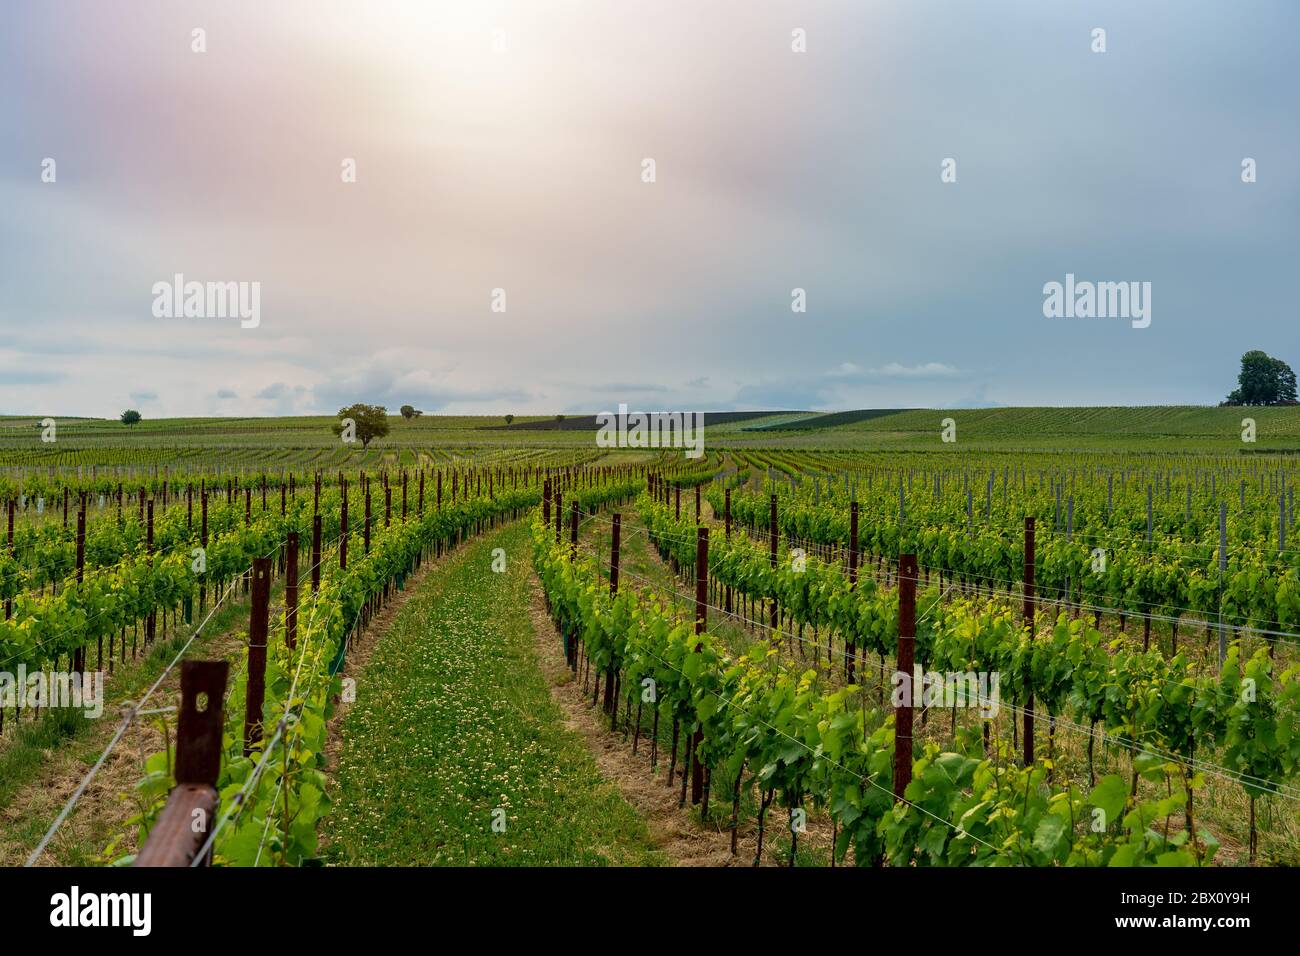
453,720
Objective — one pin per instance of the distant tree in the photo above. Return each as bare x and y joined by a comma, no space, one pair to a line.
559,419
410,411
510,419
371,421
1286,394
130,416
1263,380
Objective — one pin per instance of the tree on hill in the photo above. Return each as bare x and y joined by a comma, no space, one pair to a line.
559,420
130,416
410,411
510,419
1263,380
368,422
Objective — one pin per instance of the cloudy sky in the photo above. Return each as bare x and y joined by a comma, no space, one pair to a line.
500,145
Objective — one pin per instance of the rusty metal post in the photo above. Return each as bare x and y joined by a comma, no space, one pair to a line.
701,624
614,547
151,622
1029,626
850,648
315,553
365,528
79,664
175,839
291,590
772,544
573,531
906,661
258,628
343,529
9,604
81,542
203,542
615,542
726,601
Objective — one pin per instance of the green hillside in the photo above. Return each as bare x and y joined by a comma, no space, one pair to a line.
1146,428
1171,427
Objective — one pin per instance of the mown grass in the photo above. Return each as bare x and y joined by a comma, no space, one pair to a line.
453,722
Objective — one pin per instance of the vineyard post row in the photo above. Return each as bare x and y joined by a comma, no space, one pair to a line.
699,774
1030,554
496,476
908,579
183,827
908,575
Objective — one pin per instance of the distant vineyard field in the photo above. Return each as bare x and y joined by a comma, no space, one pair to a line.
301,439
1156,428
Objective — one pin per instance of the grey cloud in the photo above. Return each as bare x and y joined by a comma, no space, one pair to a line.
895,263
29,376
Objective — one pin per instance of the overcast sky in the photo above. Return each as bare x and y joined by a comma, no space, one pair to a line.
500,145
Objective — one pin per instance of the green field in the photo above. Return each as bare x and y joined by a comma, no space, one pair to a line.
1165,428
307,441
